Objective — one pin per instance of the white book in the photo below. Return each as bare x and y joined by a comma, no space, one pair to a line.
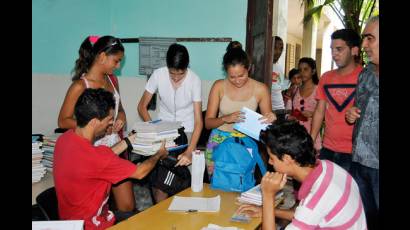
159,136
251,126
156,126
254,195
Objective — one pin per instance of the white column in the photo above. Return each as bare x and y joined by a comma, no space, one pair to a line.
280,26
326,63
309,39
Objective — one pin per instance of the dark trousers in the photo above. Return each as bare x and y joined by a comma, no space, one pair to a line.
344,160
368,181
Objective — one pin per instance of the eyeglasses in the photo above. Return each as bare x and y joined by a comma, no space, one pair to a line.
302,105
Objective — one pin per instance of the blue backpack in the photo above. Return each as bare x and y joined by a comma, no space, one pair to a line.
234,165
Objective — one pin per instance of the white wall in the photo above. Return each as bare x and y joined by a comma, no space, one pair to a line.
48,92
291,39
333,25
280,26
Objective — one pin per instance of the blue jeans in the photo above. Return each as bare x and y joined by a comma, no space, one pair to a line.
344,160
368,181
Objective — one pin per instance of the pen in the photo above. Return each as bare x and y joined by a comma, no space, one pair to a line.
155,121
192,210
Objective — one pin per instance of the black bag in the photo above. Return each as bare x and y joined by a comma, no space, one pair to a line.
168,178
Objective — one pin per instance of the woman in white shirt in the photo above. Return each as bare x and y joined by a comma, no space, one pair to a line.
179,90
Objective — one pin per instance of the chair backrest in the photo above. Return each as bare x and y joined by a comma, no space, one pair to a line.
47,201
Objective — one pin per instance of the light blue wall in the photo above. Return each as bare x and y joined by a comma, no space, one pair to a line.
59,27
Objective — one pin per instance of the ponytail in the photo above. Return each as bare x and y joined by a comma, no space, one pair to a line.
84,60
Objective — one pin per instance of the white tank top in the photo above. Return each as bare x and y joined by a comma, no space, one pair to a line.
116,95
112,139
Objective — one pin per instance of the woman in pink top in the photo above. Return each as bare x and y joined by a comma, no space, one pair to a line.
304,99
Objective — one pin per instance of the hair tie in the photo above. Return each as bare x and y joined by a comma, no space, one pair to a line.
93,39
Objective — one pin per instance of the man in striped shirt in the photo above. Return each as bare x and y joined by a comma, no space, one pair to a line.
329,196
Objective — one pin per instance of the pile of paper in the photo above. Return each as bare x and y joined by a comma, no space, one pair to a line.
48,150
254,196
151,134
58,225
37,170
251,126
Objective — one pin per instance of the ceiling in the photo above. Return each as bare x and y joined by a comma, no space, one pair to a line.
295,17
295,24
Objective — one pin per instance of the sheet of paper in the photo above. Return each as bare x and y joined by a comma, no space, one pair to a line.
58,225
251,126
195,204
217,227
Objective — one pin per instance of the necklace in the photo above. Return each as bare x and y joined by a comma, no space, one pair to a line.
102,83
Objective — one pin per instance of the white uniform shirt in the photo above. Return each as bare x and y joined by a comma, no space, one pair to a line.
276,91
176,105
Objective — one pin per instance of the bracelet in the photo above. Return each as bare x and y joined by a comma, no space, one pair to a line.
129,145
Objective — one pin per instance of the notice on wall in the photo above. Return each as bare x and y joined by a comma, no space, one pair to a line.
152,53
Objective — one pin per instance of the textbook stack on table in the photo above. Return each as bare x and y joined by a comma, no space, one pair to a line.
48,148
37,169
254,196
151,134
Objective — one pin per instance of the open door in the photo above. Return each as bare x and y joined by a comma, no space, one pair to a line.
259,39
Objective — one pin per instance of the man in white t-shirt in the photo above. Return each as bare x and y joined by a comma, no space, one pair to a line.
329,196
277,76
179,91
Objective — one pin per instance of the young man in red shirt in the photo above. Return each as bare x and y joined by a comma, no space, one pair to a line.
335,94
84,173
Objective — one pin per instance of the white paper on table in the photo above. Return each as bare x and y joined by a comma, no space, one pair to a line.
58,225
195,204
217,227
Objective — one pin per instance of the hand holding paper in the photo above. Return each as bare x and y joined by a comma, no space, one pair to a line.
234,117
252,124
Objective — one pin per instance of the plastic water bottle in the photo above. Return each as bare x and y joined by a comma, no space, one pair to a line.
198,168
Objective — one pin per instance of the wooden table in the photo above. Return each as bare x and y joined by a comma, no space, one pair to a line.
158,216
46,182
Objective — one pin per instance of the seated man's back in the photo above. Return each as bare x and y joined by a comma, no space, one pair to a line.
83,175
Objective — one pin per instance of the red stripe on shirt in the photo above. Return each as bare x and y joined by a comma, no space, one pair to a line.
310,180
342,201
349,223
323,186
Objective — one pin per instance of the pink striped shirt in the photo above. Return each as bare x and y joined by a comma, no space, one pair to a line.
329,199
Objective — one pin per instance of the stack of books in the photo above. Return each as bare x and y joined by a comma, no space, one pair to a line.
254,196
49,142
37,170
151,134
